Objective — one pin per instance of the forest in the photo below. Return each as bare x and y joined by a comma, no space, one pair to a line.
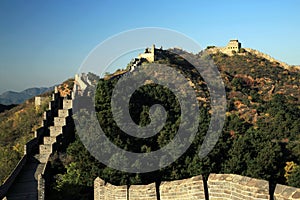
260,138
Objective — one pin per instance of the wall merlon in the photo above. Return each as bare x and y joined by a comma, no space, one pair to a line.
67,103
49,140
220,186
45,149
191,188
143,192
59,121
237,187
55,130
64,112
285,192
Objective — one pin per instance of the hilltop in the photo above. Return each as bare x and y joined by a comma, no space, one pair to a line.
260,138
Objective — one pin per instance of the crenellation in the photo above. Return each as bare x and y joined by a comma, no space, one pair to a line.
220,186
142,192
149,54
64,112
49,140
60,121
285,192
67,103
237,187
56,130
38,101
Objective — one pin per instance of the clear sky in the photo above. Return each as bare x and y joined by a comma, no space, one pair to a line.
43,43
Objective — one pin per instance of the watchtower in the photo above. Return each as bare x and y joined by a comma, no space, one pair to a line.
233,45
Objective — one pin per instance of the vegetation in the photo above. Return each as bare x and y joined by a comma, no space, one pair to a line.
16,128
260,136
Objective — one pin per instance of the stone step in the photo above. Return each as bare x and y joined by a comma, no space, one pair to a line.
59,121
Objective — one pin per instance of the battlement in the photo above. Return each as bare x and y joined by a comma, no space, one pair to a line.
149,54
235,47
54,135
218,186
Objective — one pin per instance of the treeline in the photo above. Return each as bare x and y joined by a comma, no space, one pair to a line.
265,148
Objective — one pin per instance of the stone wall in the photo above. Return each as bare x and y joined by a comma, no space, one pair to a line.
109,191
142,192
226,50
231,186
56,132
149,54
11,178
283,192
219,186
186,189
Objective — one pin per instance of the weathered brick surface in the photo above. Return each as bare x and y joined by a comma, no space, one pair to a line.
55,130
99,188
108,191
142,192
63,113
49,140
220,186
115,192
60,121
186,189
283,192
67,103
230,186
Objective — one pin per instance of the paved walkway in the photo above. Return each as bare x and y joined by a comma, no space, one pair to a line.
25,185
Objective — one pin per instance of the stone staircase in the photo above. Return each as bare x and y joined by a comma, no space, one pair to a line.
56,133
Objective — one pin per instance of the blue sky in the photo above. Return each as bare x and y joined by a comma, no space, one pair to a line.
43,43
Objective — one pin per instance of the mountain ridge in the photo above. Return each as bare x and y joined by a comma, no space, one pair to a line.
12,97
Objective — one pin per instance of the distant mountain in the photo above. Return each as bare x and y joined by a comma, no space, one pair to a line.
11,97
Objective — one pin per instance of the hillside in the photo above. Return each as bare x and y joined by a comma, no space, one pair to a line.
253,81
11,97
17,125
6,107
260,138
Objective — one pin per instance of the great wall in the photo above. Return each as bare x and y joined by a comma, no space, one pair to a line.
234,47
29,178
218,186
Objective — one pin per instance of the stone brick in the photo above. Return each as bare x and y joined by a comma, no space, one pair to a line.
142,192
296,195
63,113
286,192
55,130
49,140
59,121
236,187
179,189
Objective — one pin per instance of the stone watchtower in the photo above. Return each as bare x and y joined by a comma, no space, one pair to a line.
149,54
233,45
